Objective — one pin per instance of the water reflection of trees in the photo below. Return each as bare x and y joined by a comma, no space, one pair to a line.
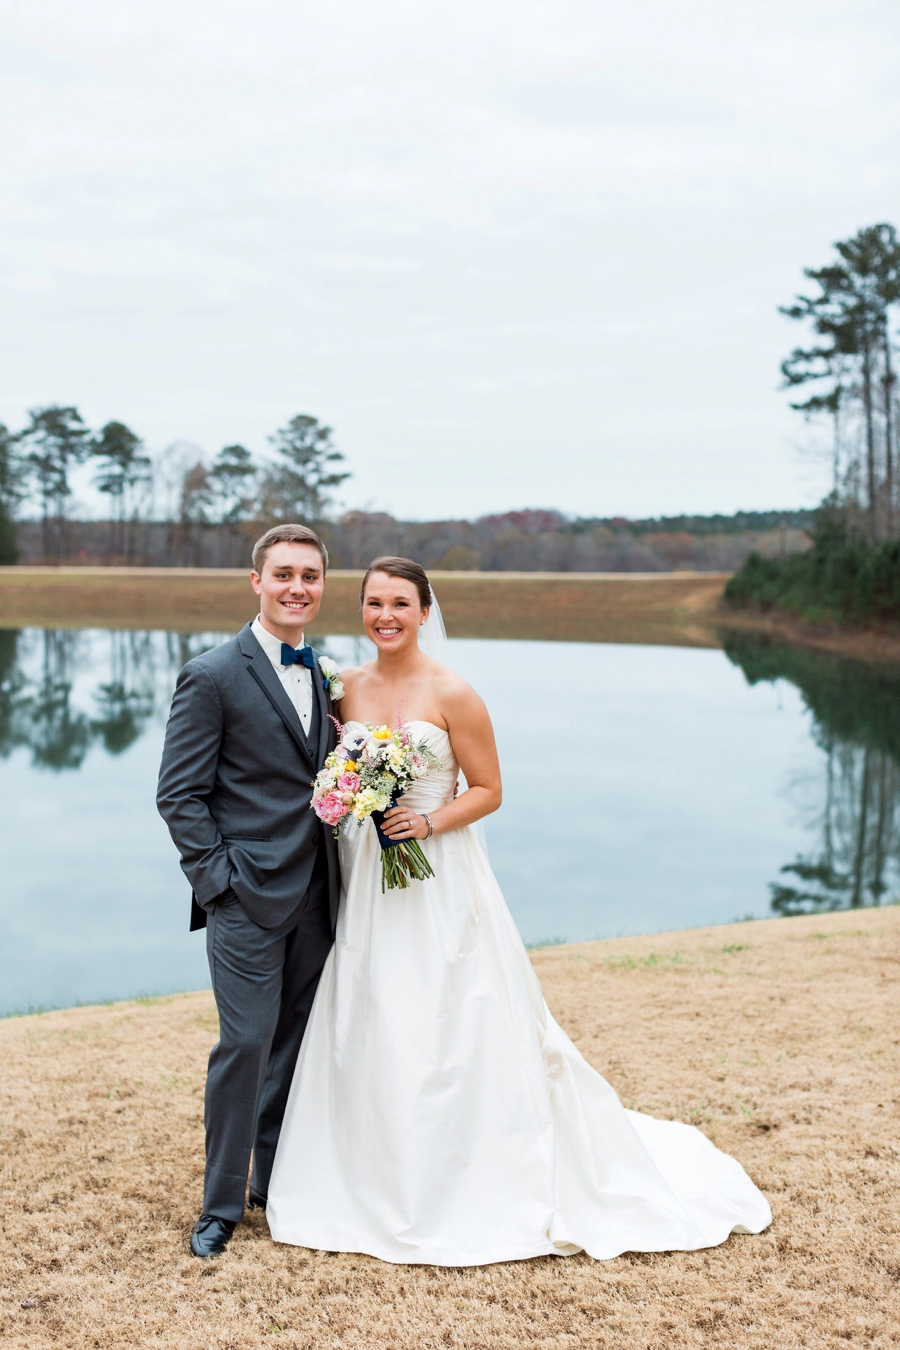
133,680
856,722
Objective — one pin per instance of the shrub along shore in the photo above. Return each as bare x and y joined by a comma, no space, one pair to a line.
844,578
777,1038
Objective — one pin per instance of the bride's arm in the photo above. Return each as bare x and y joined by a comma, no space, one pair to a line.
473,743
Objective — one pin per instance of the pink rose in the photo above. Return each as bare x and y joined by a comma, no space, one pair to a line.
329,808
348,782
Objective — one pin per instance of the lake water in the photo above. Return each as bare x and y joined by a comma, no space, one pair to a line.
646,789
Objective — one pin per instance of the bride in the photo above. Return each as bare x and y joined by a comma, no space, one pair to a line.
438,1114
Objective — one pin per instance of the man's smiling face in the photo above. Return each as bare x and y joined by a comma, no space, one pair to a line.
290,589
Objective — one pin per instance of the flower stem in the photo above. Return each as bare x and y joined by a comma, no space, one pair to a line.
403,863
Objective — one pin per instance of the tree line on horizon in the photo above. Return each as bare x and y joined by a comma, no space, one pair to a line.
179,508
180,486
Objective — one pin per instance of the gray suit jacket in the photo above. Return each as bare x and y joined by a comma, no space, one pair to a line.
235,784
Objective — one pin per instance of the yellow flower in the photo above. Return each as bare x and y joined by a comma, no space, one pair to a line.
382,733
366,802
349,766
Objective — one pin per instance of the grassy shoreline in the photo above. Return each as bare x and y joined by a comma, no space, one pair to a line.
864,643
777,1037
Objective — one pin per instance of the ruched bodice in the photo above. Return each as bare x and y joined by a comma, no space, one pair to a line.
436,788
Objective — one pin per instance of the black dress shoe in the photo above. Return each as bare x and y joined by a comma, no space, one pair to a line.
211,1235
255,1200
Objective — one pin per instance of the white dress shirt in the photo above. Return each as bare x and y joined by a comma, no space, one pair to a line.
297,680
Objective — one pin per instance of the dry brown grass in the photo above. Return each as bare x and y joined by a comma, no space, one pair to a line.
675,609
661,608
779,1039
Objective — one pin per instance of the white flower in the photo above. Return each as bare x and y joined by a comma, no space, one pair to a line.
331,678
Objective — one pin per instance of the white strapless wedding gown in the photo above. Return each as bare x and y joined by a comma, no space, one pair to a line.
439,1115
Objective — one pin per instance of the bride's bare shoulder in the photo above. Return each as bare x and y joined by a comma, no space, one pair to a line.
445,676
453,690
353,676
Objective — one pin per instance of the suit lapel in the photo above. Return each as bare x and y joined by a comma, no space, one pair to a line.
324,710
260,667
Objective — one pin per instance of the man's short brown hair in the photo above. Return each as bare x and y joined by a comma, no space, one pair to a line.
286,534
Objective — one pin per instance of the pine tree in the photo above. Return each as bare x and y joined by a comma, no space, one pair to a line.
122,467
852,313
232,476
54,440
299,486
12,490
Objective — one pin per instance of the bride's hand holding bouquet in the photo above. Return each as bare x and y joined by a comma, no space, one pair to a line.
365,776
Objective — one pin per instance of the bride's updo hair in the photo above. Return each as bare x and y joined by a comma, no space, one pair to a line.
406,570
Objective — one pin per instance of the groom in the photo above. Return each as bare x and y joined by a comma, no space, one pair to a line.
248,731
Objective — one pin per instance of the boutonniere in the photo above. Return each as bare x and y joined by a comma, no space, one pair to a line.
331,680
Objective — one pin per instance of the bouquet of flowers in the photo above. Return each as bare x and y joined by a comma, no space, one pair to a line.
367,773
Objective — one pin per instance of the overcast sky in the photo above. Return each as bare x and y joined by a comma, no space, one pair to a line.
515,253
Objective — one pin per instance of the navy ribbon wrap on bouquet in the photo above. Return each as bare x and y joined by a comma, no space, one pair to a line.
378,818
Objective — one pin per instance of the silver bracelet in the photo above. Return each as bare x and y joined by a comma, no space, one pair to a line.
427,817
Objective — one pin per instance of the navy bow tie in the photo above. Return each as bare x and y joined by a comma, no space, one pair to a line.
297,656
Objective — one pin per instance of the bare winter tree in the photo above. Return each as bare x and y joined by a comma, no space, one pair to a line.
197,500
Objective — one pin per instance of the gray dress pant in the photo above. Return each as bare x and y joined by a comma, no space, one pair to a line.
264,981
